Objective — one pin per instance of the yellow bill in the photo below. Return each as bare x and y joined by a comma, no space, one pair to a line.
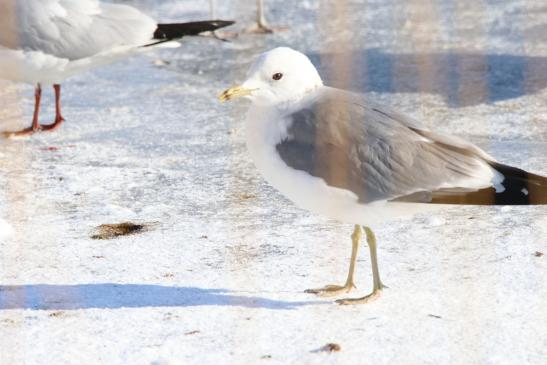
234,92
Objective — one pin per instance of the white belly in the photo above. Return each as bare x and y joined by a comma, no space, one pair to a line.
37,67
30,67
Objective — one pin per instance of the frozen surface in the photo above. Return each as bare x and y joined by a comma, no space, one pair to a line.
219,277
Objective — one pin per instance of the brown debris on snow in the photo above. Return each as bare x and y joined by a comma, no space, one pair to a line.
110,231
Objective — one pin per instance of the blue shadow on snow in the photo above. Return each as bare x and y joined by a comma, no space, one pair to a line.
113,296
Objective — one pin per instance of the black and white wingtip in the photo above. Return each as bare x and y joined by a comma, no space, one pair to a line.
173,31
520,187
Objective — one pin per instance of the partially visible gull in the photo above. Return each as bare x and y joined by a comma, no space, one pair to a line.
261,26
335,153
47,41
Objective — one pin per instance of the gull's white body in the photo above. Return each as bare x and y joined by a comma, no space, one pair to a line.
263,132
47,41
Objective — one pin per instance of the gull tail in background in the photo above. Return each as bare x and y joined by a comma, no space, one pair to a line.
174,31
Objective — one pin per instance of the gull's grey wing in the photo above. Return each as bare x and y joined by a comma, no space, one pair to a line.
72,29
381,155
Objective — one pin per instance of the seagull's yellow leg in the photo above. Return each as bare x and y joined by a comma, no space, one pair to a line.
376,282
330,290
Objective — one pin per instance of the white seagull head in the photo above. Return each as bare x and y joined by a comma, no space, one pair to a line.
277,77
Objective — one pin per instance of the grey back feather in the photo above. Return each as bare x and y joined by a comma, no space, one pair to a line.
376,154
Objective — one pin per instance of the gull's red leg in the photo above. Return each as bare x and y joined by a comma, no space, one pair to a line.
58,116
35,124
37,100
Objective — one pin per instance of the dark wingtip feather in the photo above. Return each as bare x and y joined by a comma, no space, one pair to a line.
521,187
166,32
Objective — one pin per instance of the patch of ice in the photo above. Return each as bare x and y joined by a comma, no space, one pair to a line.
6,230
435,221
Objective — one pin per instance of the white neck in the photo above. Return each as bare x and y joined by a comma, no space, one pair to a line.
263,126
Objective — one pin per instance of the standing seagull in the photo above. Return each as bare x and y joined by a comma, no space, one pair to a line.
334,153
47,41
261,25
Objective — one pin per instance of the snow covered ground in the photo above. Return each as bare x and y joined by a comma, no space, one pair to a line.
219,276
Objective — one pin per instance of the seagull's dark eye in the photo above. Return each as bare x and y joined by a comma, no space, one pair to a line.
277,76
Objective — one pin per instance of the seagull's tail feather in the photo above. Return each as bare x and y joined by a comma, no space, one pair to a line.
518,187
521,187
169,32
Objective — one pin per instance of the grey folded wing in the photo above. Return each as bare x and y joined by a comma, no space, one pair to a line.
72,29
380,155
